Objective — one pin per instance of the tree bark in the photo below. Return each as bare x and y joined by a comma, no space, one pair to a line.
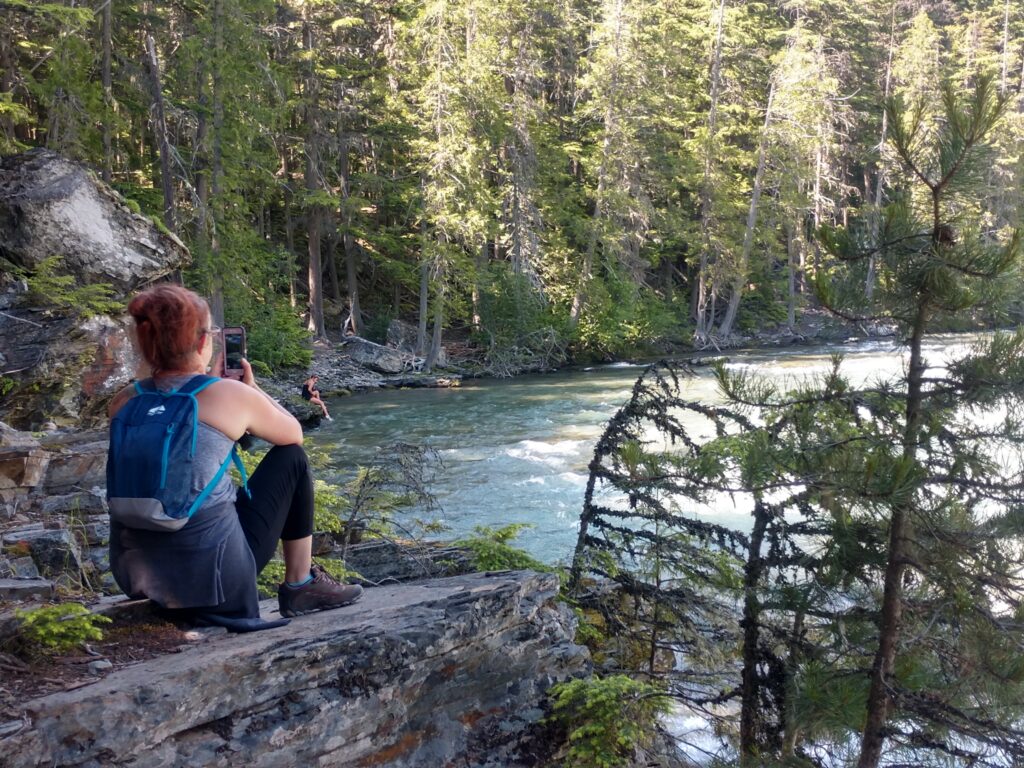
876,214
317,325
160,129
1005,68
350,246
106,80
879,700
421,331
217,164
791,268
481,267
435,341
750,707
725,329
609,123
8,76
701,320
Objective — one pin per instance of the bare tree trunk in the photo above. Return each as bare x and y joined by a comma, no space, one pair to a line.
421,332
1005,69
160,129
792,266
349,243
106,80
313,214
435,341
481,267
750,707
725,329
668,270
876,214
217,164
819,169
332,266
8,76
200,233
702,322
610,119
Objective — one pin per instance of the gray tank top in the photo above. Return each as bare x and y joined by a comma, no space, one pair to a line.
212,447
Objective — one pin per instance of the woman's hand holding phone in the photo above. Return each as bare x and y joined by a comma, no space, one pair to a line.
247,376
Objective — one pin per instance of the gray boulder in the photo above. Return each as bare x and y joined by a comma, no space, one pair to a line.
50,206
375,356
61,364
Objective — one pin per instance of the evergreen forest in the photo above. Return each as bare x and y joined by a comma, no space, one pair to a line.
552,180
539,178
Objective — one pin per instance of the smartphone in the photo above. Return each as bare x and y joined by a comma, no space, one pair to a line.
234,350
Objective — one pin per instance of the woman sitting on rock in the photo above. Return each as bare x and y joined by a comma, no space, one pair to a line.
208,567
311,393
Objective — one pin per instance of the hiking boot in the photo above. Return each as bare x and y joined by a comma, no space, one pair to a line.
320,594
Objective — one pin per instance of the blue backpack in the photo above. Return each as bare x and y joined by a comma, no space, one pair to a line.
149,461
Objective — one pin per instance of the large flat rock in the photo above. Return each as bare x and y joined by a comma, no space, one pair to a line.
444,672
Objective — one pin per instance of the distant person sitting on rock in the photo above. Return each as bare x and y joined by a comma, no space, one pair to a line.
311,393
207,567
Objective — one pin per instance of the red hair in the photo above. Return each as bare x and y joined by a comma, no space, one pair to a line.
169,323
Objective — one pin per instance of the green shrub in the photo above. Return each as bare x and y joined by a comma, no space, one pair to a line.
620,319
606,718
57,628
491,551
376,329
61,293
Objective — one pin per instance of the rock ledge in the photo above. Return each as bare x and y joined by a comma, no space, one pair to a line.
445,672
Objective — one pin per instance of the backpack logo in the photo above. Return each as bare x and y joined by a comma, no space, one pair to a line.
155,411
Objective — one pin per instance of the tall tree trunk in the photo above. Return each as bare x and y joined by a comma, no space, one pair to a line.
349,243
819,172
160,129
8,76
876,213
313,215
750,707
1004,69
792,266
333,240
725,329
435,341
879,701
609,126
217,165
701,320
106,80
421,331
481,267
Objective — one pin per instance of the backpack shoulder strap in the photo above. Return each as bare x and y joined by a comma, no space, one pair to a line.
144,386
197,384
232,457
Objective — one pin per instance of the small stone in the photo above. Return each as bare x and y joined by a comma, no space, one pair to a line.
25,589
100,666
23,568
54,551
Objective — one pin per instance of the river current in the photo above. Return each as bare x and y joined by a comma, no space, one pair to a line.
516,450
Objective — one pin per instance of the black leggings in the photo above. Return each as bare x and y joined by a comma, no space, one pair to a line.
281,506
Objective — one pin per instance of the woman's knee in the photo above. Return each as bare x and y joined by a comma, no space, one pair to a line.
288,455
